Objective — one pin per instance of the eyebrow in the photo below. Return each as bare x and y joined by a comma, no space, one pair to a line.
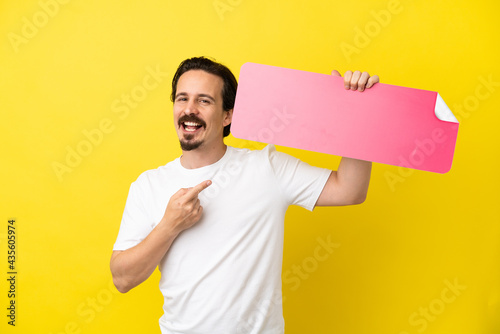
199,95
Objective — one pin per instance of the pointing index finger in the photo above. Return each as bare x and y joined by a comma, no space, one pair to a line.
193,192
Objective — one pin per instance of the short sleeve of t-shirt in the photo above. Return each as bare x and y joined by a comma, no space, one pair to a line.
134,225
300,182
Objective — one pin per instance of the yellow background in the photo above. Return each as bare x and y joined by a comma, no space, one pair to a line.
397,250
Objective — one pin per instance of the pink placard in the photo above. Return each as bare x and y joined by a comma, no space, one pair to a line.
388,124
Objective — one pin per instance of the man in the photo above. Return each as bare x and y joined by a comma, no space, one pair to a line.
212,219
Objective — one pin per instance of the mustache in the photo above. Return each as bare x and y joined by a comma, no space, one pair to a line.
191,118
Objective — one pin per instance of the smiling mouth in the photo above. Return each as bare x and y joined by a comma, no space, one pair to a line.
191,126
191,123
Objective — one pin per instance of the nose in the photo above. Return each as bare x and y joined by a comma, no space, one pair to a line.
191,108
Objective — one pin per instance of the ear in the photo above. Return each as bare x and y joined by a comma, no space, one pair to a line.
228,118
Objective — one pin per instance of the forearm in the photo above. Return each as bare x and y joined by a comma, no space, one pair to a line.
354,177
134,265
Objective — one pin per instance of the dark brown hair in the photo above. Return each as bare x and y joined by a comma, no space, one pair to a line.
213,67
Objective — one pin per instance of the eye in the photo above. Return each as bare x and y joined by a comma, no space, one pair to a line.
181,99
205,101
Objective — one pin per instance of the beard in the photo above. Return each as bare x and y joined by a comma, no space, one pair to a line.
188,145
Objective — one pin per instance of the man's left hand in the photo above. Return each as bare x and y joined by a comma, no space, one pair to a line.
357,80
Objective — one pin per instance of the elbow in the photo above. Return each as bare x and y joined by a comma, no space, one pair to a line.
359,199
121,285
120,281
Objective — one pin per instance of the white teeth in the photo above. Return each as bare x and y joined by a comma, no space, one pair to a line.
191,124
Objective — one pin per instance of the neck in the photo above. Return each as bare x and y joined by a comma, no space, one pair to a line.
203,156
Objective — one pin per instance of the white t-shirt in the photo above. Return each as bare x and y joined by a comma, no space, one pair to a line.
223,275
